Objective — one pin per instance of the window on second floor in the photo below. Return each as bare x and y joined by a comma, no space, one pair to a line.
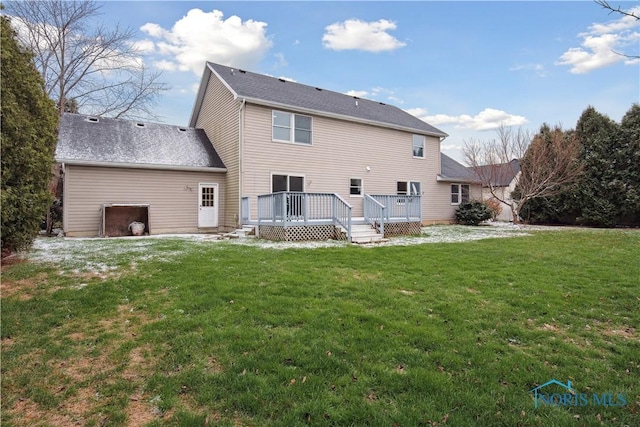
418,146
459,193
289,127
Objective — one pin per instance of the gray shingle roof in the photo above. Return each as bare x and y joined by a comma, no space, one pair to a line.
454,171
113,141
500,174
271,90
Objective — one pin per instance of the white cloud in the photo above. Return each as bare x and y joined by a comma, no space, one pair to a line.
289,79
536,68
205,36
358,93
600,44
144,46
280,60
377,93
360,35
165,65
487,119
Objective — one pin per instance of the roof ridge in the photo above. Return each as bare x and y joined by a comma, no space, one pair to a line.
265,89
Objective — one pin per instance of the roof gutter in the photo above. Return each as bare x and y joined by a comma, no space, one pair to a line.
441,178
139,166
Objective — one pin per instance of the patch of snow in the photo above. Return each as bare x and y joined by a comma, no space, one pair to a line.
105,256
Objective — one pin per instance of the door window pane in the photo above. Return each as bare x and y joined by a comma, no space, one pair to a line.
296,183
208,197
401,188
279,183
415,188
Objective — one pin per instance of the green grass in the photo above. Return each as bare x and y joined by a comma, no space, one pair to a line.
226,334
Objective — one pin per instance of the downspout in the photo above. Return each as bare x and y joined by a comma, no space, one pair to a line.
63,172
240,164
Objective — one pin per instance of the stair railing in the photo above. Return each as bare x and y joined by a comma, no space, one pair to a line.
374,213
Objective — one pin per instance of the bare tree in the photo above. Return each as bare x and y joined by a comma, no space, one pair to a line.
541,166
494,165
100,68
619,10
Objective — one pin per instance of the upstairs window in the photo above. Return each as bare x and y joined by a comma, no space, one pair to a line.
289,127
459,193
418,146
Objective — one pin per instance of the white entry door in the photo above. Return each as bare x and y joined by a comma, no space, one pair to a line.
207,205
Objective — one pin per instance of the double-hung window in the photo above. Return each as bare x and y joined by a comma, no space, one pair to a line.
355,187
418,146
459,193
290,127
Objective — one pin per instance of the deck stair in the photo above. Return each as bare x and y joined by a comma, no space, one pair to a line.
364,233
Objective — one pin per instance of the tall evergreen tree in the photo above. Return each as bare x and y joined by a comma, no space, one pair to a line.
28,139
601,191
608,192
630,141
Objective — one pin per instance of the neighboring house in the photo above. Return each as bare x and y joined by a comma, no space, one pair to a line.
503,178
301,162
118,171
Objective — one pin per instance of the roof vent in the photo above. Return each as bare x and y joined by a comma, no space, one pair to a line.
282,80
355,97
382,103
182,129
319,89
93,119
140,125
243,71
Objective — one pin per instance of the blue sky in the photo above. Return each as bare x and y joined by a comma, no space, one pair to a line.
464,67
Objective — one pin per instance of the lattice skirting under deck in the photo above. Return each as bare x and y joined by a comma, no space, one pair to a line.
392,229
300,233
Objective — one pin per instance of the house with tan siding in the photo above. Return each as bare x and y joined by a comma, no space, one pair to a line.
289,160
115,172
276,135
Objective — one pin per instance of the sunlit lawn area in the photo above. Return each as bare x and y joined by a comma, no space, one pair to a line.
193,332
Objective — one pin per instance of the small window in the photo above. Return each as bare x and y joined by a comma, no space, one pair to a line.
418,146
459,193
355,187
289,127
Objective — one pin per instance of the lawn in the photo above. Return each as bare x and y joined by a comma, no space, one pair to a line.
190,332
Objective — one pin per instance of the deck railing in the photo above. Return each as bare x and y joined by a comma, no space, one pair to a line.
287,208
400,207
374,213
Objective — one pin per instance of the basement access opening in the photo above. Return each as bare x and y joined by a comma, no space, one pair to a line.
116,219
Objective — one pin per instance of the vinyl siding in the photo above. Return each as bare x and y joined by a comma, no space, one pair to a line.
219,117
172,197
342,150
443,211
